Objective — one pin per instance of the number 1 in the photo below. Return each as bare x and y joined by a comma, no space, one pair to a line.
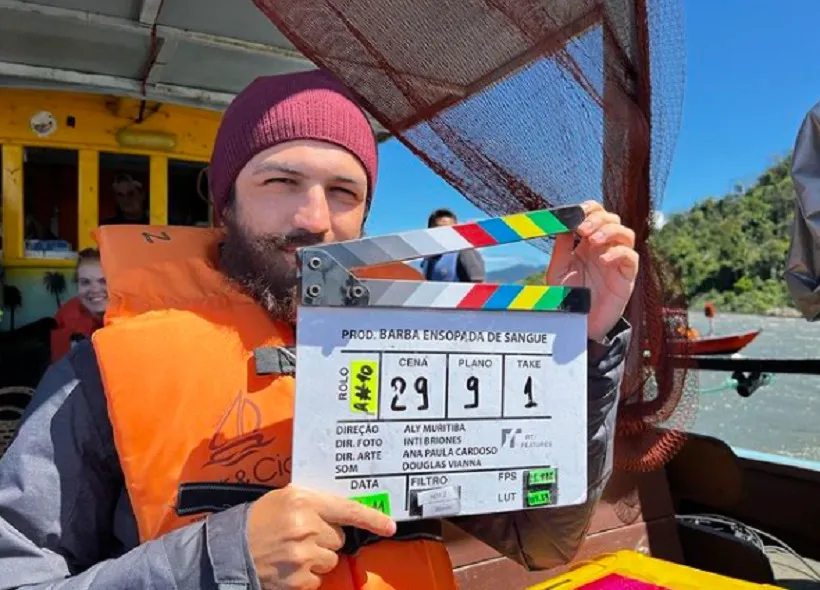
528,392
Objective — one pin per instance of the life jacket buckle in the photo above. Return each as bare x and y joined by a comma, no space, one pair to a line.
275,360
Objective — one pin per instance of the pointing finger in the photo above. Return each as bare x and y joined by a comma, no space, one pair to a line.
344,512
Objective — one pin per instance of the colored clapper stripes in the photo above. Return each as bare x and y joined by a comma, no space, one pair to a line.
476,296
521,226
439,240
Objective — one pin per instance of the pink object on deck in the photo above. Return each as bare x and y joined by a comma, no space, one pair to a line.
618,582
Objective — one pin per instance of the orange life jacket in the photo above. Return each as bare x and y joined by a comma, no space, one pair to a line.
187,405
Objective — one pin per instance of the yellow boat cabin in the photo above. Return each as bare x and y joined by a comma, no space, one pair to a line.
108,111
72,161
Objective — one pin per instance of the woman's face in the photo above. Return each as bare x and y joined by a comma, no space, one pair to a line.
91,287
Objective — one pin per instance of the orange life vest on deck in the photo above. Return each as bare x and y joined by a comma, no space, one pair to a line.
187,405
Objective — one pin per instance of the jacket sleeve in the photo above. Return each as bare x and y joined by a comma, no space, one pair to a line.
550,537
60,485
803,266
471,266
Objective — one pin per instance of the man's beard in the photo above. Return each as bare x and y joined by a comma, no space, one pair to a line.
263,269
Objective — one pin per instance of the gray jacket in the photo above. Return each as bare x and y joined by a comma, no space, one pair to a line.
803,266
66,522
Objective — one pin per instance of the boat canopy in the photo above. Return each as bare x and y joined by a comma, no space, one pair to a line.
197,53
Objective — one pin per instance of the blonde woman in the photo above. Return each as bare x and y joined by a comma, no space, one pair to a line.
80,316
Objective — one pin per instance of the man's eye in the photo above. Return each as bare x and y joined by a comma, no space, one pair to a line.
345,191
280,180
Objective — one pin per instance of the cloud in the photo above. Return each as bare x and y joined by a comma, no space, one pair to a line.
659,219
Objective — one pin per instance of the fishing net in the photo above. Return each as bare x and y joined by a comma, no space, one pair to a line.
526,104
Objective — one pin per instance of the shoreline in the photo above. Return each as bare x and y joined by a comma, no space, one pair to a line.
777,312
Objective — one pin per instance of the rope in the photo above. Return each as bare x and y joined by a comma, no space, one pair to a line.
731,384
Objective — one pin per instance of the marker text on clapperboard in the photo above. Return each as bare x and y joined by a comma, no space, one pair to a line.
350,335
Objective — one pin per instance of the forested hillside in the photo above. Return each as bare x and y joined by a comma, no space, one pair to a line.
732,250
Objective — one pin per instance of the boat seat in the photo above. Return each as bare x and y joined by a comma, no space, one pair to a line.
707,471
636,512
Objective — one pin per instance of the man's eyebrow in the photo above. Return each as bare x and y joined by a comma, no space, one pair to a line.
268,167
347,180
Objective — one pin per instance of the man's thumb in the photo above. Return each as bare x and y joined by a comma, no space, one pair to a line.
561,256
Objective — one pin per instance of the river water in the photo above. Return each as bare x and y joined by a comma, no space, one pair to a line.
782,418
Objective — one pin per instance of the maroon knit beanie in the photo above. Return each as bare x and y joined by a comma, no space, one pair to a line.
275,109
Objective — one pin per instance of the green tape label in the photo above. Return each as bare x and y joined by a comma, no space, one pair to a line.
539,498
364,385
539,477
380,501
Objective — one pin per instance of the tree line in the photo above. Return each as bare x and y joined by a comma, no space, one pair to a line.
732,250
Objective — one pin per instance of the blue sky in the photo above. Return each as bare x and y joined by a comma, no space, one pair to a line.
752,73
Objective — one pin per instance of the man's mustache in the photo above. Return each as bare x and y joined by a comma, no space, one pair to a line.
295,239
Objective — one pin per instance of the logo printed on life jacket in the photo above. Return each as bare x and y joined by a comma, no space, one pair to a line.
228,450
164,237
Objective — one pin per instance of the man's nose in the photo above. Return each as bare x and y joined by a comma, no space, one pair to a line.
313,214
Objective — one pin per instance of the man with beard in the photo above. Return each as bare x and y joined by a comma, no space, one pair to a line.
159,455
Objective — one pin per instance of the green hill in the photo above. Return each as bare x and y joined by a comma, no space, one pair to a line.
732,250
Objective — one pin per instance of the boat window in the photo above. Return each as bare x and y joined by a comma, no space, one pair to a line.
50,180
124,189
188,193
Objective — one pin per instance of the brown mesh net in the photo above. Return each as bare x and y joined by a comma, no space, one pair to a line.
525,104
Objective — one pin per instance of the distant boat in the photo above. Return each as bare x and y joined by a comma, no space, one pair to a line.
713,345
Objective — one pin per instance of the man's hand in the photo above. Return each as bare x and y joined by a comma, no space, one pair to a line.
604,261
294,534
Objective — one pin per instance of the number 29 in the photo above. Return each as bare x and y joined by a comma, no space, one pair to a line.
399,385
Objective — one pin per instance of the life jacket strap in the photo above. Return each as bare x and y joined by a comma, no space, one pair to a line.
205,497
413,530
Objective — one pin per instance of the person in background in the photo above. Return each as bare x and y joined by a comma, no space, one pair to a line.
130,199
802,274
710,312
466,266
81,316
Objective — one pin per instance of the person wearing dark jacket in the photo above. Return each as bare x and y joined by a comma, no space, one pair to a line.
803,263
466,266
88,488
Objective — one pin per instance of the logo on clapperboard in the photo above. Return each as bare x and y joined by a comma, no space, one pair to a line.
508,437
